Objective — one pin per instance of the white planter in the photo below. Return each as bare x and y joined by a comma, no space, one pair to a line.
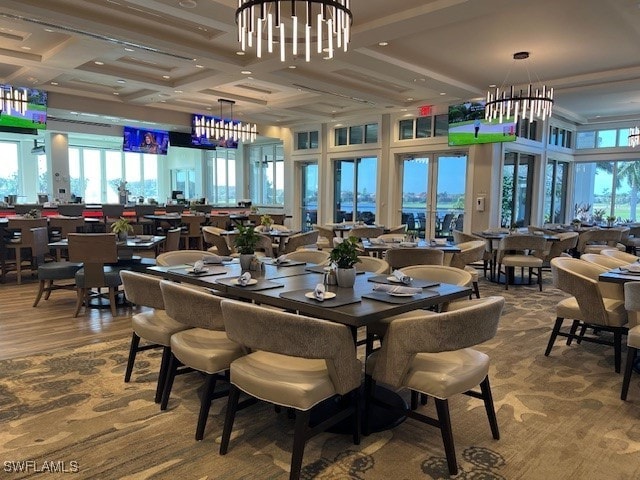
346,277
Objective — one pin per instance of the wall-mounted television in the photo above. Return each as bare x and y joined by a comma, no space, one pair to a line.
22,108
203,136
144,140
467,126
186,140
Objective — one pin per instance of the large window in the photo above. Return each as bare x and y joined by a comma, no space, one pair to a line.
607,138
517,180
9,169
555,191
222,168
266,186
355,190
356,135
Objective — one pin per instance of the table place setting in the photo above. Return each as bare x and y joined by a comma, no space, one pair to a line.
198,269
322,296
247,282
397,293
282,261
216,259
631,269
399,278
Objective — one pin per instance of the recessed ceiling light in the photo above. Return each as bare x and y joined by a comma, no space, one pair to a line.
25,48
50,30
116,93
493,85
199,66
292,67
443,93
121,81
73,113
188,3
246,72
383,44
178,91
128,49
403,110
166,77
54,83
240,52
97,62
409,99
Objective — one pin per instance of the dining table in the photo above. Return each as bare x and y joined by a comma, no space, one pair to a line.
126,248
378,247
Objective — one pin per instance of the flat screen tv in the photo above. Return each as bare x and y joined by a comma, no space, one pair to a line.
22,108
201,137
186,140
467,126
144,140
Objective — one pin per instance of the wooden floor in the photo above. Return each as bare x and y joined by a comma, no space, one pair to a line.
25,330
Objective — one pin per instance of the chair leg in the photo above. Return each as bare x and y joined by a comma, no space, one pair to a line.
169,376
414,399
488,405
133,349
19,265
232,407
299,441
40,292
572,331
442,407
48,289
79,300
628,370
583,331
205,405
162,374
540,278
112,301
476,289
357,416
617,349
554,335
369,385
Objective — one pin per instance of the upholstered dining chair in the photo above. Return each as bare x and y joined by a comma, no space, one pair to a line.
22,245
300,240
391,237
110,213
565,245
470,252
520,251
318,257
71,209
596,310
398,230
60,227
191,230
204,346
620,255
172,240
603,260
181,257
595,240
50,272
152,325
632,305
218,244
371,264
487,257
307,362
325,237
366,232
95,251
404,257
432,355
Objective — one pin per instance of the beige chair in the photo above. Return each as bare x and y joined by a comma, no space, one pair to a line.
318,257
325,237
565,244
431,354
632,305
181,257
520,251
487,257
620,255
580,279
220,221
366,232
405,257
603,260
50,272
632,241
470,252
172,242
307,362
264,247
391,237
204,346
273,226
95,251
152,325
372,264
399,230
593,241
22,246
212,236
300,240
191,230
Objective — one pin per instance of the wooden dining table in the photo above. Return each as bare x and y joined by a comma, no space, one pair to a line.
125,248
378,248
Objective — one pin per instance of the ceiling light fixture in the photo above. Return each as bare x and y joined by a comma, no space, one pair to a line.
13,99
526,104
634,137
224,131
323,23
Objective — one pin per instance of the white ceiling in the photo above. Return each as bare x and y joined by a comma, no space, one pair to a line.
439,52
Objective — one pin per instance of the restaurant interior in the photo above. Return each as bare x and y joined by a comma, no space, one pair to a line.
319,239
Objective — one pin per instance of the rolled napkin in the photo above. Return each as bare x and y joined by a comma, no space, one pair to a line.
381,287
243,280
212,259
318,292
402,278
281,259
198,266
376,241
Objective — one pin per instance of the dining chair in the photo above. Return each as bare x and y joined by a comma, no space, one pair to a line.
520,251
220,221
202,346
603,260
71,209
632,305
152,324
23,244
325,237
110,213
487,257
632,242
307,362
218,243
172,241
432,355
191,230
300,240
620,255
50,272
23,208
398,230
596,310
366,232
404,257
60,227
146,224
318,257
595,240
470,252
565,245
181,257
371,264
95,251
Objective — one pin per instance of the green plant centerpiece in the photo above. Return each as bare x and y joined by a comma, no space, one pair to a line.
344,256
33,213
611,220
122,228
246,241
266,221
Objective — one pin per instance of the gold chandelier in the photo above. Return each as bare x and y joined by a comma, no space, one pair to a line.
318,26
506,103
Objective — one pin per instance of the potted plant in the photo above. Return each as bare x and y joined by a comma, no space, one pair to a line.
611,220
122,227
266,221
246,241
345,256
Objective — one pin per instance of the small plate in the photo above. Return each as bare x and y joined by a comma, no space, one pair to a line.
398,294
253,281
327,295
632,268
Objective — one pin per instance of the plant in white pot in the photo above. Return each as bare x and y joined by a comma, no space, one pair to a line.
345,256
122,228
246,241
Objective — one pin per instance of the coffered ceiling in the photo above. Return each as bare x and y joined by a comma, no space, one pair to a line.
175,57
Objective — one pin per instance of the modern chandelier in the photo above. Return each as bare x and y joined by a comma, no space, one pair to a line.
634,137
507,103
224,131
15,99
308,26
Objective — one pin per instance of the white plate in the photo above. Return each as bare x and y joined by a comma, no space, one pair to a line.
397,294
394,279
191,270
327,295
253,281
282,262
633,268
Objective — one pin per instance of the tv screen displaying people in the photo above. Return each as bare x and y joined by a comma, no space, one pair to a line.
141,140
467,126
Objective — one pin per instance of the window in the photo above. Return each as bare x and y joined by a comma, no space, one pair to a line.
555,191
8,169
405,129
43,178
307,140
586,140
266,186
423,127
355,175
414,128
603,138
517,180
341,136
559,137
606,138
442,125
222,168
528,130
356,135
